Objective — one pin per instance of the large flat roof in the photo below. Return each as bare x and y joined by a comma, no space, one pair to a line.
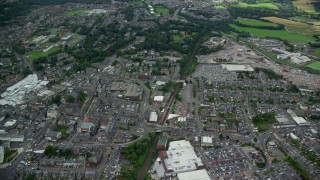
237,67
153,117
194,175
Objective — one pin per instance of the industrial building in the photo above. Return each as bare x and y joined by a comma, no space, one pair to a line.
25,90
299,120
179,158
296,58
237,67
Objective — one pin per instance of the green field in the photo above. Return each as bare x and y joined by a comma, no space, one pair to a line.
75,12
314,65
260,5
256,23
38,54
219,7
177,37
282,34
161,9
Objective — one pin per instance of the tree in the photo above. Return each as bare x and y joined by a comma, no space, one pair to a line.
70,99
221,137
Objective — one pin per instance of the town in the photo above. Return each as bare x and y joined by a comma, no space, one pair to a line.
160,89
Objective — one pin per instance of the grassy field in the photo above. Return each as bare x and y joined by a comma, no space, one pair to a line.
75,12
260,5
177,37
219,7
161,9
314,65
37,54
282,34
305,5
295,27
256,23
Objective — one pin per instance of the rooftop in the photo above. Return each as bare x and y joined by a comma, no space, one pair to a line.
194,175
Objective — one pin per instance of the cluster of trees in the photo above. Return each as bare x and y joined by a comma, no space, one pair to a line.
136,154
82,97
168,87
268,72
188,65
278,27
262,121
250,12
54,151
56,100
295,165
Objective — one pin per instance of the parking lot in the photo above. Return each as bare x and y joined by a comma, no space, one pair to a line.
226,161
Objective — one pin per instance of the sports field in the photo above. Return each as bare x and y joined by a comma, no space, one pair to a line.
282,34
305,5
38,54
295,26
256,23
260,5
161,9
314,65
75,12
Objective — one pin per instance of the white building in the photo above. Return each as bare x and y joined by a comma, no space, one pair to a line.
158,99
179,158
206,141
26,89
293,136
296,58
237,67
153,117
194,175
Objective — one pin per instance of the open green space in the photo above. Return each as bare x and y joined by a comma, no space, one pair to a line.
219,6
260,5
264,121
177,37
281,34
255,23
161,9
75,12
39,54
139,3
314,65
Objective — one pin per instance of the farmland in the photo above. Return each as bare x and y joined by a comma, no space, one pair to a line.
256,23
282,34
304,5
314,65
260,5
294,26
